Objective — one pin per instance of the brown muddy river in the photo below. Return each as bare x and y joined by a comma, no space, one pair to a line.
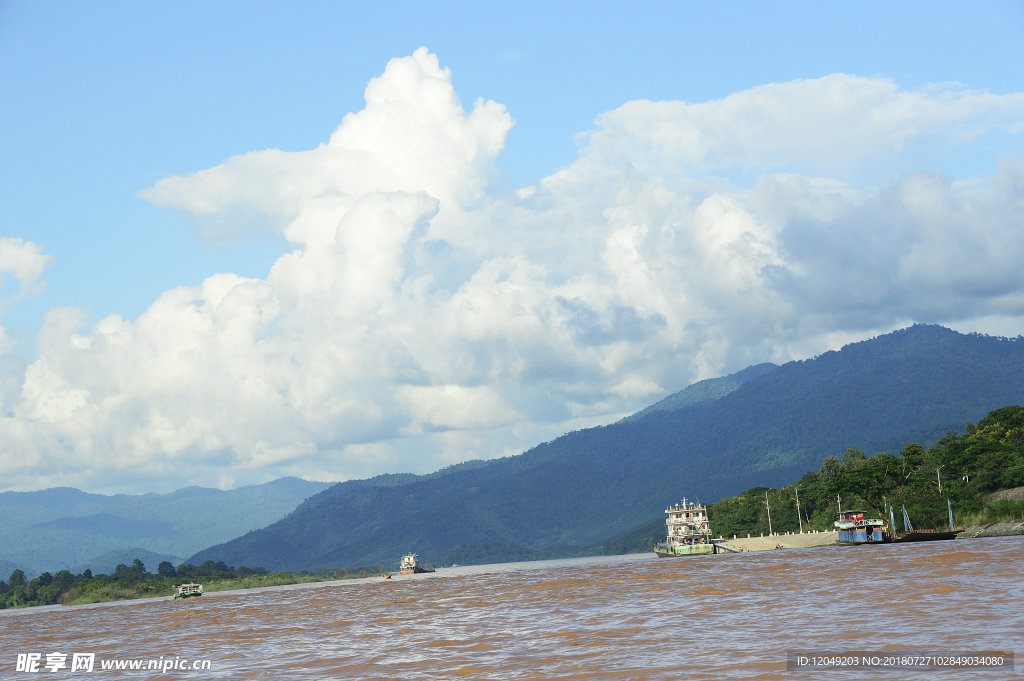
625,617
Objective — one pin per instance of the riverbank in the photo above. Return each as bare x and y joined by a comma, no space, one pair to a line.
999,528
104,589
786,541
98,592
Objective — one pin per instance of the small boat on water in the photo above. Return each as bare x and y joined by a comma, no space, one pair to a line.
187,590
688,531
853,528
411,565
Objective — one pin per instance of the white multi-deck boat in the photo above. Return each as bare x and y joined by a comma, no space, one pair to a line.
411,565
688,531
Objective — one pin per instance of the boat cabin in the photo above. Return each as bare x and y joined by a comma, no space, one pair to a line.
187,590
853,528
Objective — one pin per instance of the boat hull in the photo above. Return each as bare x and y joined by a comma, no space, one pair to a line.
684,550
415,571
853,528
924,535
860,535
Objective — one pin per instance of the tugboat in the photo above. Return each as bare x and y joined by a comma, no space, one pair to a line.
853,528
187,591
410,565
688,531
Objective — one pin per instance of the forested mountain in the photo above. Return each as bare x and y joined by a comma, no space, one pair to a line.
65,528
705,391
595,485
962,469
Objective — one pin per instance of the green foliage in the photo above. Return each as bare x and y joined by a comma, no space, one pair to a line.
988,456
742,514
1004,509
135,582
18,578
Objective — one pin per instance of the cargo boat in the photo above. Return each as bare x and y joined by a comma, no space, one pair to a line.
189,590
411,565
853,528
688,531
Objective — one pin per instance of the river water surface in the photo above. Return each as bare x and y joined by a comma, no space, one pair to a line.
624,617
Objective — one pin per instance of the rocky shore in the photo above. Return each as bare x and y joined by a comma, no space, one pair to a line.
999,528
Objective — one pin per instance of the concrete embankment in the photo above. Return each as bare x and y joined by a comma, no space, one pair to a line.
1000,528
786,541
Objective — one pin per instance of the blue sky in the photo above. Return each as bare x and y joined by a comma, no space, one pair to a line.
653,196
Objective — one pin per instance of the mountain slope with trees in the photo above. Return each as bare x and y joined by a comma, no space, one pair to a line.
592,486
705,391
961,468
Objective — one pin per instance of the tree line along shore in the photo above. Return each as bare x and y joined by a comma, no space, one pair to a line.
134,581
972,473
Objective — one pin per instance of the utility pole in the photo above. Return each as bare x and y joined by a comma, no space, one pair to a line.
769,512
798,518
939,478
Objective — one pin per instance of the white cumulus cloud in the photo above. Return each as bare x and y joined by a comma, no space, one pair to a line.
425,314
25,262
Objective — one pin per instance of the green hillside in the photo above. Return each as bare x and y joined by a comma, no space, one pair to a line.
961,468
705,391
598,485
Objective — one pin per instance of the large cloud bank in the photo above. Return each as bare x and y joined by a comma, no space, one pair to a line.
429,314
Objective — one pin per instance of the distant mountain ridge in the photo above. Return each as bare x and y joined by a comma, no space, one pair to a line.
706,390
66,528
106,563
594,485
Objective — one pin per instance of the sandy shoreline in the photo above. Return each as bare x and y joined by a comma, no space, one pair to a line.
786,541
